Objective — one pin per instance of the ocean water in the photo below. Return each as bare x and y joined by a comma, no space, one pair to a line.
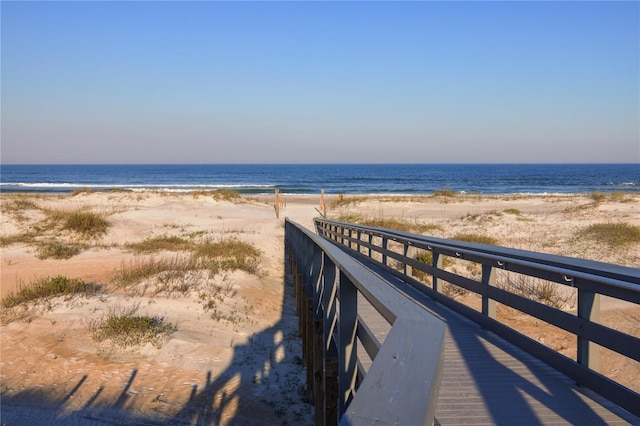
332,178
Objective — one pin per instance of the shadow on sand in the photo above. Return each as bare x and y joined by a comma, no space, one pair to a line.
263,385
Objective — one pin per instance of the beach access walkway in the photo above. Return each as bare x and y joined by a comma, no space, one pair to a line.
382,344
488,381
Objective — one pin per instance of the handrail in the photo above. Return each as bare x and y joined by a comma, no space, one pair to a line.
401,385
590,279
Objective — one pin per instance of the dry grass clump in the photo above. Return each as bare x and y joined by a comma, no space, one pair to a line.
125,329
17,207
25,238
615,196
44,233
228,255
476,238
343,200
83,222
228,248
86,223
57,250
181,272
82,191
547,292
389,223
611,234
159,243
47,288
598,196
19,204
445,193
143,268
218,194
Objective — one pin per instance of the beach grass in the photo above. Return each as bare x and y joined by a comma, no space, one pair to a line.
389,223
611,234
57,250
46,288
81,221
475,238
216,256
227,248
219,195
159,243
24,238
124,328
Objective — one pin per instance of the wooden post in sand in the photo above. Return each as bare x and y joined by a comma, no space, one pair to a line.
279,203
323,206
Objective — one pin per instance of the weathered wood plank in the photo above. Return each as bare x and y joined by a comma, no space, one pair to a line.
487,380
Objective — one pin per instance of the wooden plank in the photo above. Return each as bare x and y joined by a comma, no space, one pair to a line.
487,380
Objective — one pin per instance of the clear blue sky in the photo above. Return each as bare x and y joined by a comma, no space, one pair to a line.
270,82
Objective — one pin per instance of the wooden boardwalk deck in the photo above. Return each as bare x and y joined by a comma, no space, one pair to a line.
488,381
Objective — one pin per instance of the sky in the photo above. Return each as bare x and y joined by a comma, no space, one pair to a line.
320,82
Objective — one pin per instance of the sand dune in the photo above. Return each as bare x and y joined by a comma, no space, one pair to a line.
237,362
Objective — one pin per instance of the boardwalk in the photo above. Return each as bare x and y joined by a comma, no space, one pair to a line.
488,381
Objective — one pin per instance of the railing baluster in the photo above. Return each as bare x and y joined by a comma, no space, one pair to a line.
589,309
347,323
408,270
436,261
489,279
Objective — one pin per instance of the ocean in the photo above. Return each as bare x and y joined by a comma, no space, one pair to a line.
332,178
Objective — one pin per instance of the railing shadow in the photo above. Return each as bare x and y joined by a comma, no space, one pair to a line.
263,385
507,378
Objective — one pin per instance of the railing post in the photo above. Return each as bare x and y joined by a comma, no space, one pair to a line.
385,242
436,262
330,380
318,369
408,270
331,388
589,309
347,325
370,242
359,246
315,348
488,279
312,277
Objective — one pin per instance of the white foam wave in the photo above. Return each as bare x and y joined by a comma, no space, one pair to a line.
141,186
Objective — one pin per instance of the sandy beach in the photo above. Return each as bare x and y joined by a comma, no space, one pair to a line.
235,358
